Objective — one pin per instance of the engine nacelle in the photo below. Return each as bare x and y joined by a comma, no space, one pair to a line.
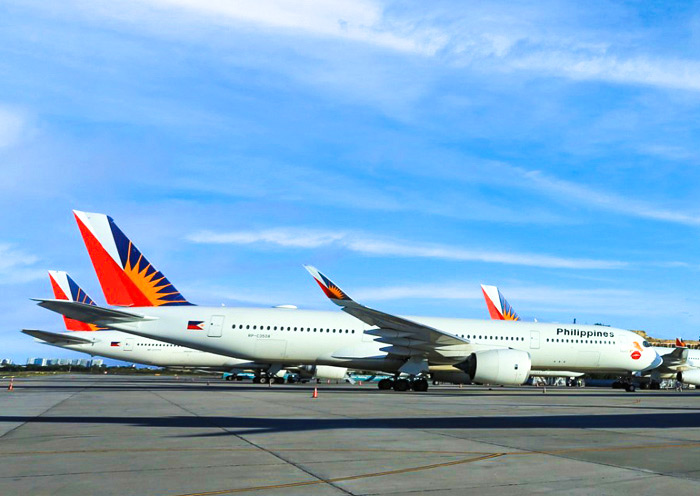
690,377
323,372
504,367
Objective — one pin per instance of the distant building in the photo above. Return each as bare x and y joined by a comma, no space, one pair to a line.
5,361
97,362
41,362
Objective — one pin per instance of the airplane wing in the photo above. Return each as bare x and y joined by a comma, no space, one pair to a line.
404,337
56,337
91,314
677,357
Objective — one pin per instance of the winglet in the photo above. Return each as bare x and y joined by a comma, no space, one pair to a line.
680,343
498,306
331,290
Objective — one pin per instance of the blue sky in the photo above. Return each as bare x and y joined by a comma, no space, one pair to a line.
410,151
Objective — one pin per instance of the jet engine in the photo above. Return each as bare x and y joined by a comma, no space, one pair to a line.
690,377
323,372
503,367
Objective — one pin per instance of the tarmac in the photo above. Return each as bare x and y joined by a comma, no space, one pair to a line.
165,436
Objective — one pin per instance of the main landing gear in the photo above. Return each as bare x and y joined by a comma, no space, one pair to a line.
626,385
419,384
264,379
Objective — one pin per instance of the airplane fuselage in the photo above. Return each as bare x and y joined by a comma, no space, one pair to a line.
335,338
120,345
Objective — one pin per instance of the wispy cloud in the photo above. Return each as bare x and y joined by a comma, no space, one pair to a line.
585,195
681,74
17,267
539,301
361,21
13,124
493,38
368,245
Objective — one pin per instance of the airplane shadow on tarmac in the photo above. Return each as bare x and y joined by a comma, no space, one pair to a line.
252,425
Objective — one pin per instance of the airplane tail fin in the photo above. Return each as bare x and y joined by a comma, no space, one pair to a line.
498,306
680,343
126,276
65,288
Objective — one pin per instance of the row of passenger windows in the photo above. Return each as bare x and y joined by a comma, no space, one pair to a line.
151,345
586,341
494,338
294,329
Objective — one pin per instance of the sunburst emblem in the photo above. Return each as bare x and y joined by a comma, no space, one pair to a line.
154,286
336,291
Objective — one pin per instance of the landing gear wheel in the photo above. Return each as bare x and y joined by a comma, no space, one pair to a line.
385,384
420,385
402,385
257,380
278,380
264,379
230,377
630,388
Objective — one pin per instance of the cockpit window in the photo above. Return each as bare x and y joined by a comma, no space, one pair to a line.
646,344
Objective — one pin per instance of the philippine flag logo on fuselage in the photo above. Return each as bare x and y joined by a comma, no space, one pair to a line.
115,343
195,325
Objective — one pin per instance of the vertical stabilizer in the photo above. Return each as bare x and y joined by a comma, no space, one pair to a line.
126,276
680,343
65,288
499,308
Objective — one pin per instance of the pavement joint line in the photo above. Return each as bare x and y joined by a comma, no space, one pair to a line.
302,450
363,450
255,445
48,409
136,471
649,473
333,480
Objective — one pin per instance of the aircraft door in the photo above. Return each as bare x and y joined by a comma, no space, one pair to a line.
534,340
215,325
128,344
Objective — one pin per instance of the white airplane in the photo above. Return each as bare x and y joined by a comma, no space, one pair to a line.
360,338
118,345
678,362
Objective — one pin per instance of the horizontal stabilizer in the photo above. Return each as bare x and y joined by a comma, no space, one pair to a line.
91,314
56,337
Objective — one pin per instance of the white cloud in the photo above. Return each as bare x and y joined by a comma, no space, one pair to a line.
353,20
17,267
681,74
487,38
368,245
12,126
588,196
